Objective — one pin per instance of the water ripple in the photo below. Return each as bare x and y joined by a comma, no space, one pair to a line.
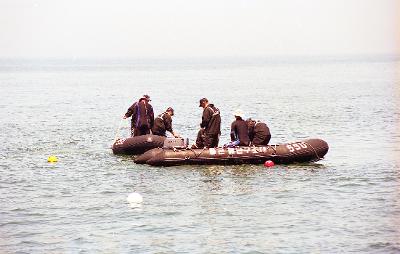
347,202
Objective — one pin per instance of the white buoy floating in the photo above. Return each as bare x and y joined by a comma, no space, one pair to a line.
134,199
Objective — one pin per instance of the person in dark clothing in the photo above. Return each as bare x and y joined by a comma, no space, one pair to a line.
239,131
142,116
163,123
208,135
259,133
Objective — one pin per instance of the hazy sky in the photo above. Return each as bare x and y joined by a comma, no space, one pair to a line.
201,28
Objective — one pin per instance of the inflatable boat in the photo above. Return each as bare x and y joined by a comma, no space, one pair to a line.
138,144
303,151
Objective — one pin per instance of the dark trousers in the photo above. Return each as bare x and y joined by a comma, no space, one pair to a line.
164,134
139,131
259,141
206,140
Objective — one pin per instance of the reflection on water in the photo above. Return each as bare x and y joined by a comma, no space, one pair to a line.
212,170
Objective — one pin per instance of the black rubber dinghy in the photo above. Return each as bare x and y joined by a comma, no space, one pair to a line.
304,151
138,144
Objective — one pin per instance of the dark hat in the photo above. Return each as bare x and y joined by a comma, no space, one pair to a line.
146,97
203,100
170,110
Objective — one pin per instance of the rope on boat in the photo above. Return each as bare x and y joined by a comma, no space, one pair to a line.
195,155
118,129
319,158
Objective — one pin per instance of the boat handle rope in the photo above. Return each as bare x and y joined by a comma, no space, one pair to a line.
198,155
270,146
319,158
204,148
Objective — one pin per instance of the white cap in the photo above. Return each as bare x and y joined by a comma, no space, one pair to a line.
238,112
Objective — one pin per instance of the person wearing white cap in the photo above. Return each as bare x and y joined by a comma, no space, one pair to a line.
142,116
239,131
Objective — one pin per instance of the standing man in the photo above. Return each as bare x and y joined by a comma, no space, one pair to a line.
163,123
208,135
259,133
142,116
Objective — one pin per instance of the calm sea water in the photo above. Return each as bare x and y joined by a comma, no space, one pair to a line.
348,202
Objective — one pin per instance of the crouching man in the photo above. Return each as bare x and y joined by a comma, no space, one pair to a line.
259,133
163,123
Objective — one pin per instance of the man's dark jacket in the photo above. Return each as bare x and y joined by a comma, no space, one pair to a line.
239,131
142,114
162,123
211,120
259,134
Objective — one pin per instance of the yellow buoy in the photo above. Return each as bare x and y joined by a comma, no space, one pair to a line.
52,158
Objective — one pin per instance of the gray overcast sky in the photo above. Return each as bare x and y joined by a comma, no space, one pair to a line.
201,28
